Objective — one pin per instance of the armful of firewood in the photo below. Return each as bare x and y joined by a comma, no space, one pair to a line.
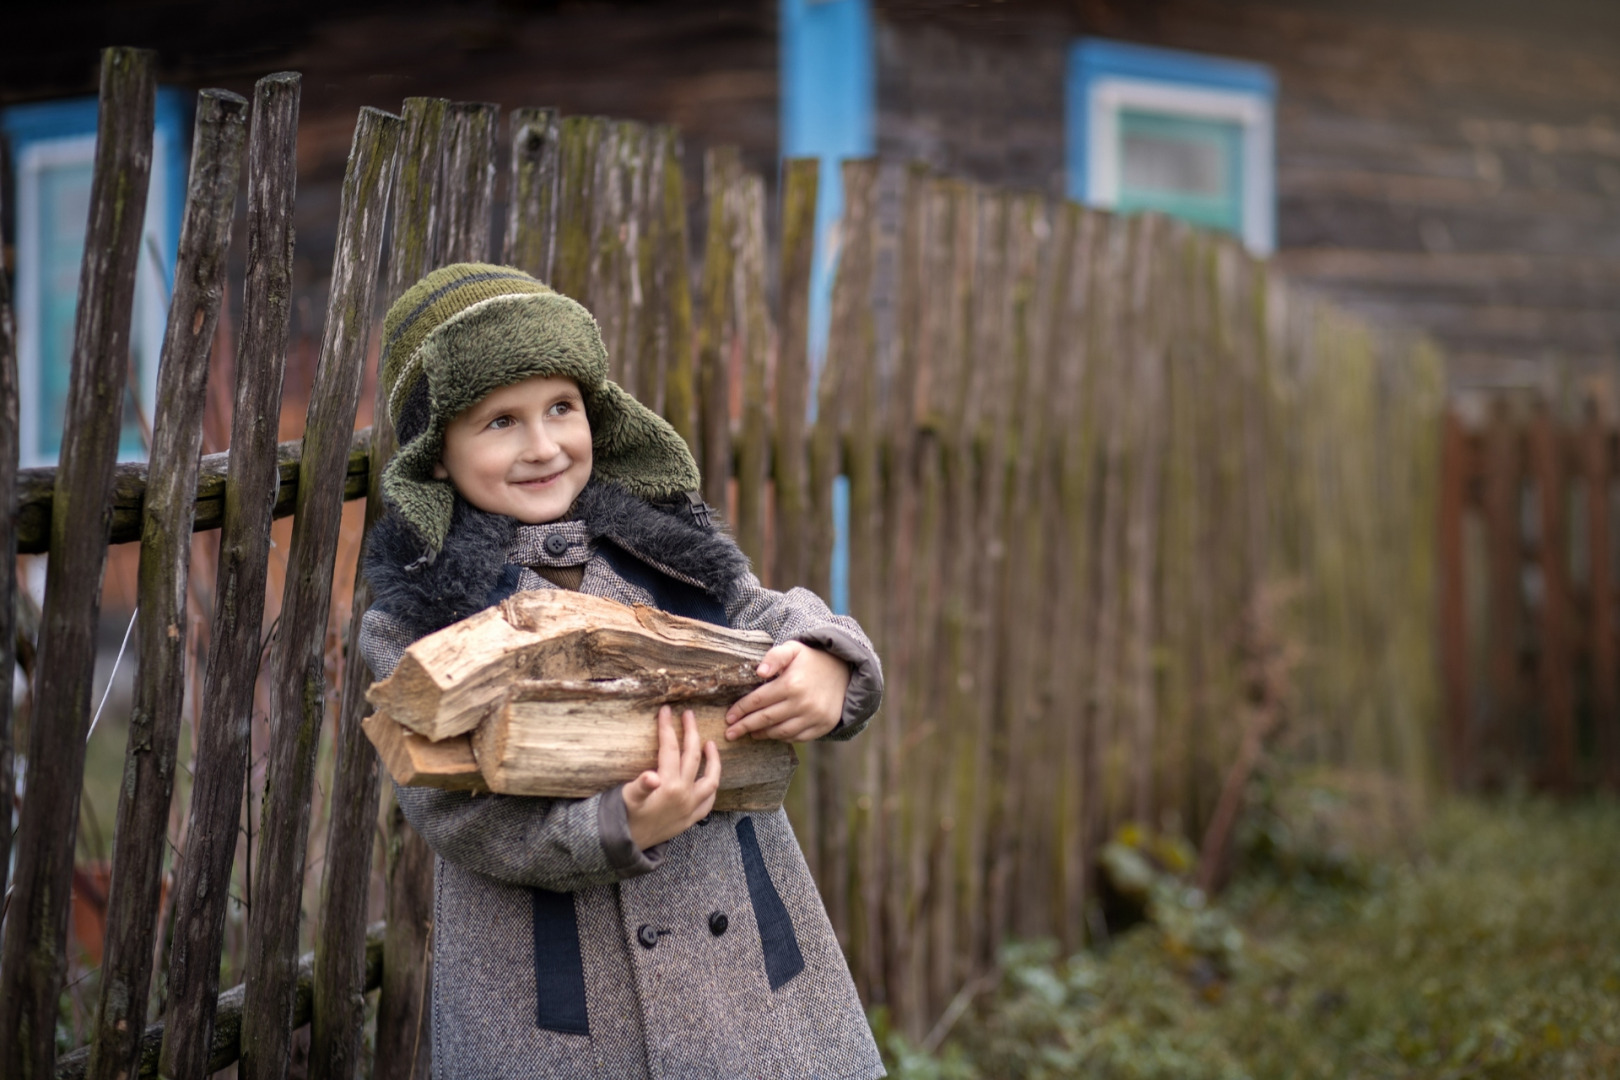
556,693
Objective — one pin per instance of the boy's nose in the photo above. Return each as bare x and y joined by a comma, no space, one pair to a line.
541,446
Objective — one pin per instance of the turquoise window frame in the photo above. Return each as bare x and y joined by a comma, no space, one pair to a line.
51,147
1110,85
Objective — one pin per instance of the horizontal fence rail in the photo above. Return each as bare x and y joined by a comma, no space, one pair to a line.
1079,476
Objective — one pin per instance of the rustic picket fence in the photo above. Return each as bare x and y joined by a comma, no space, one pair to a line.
1103,479
1530,647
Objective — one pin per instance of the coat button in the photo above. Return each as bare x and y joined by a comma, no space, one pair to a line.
556,545
647,936
718,923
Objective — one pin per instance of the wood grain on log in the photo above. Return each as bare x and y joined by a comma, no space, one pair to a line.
572,738
416,761
449,681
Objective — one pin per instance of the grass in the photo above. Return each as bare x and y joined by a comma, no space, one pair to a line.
1485,943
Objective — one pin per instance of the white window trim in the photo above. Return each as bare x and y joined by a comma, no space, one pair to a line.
1110,95
151,284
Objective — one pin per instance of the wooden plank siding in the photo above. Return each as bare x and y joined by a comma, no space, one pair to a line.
1452,170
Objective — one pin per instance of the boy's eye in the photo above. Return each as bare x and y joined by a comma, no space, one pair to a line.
502,422
562,408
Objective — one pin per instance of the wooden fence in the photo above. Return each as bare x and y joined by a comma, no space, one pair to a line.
1529,637
1098,472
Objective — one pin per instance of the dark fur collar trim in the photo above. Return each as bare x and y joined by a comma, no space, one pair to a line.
427,594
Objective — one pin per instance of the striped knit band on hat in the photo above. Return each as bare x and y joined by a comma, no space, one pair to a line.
466,330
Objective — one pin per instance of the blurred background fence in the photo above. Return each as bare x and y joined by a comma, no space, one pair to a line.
1532,675
1114,502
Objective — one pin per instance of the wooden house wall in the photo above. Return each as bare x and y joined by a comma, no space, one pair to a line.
1451,167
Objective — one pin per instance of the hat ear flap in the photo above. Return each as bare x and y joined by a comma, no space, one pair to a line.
637,449
408,485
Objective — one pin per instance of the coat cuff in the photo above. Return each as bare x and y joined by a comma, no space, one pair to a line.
613,819
865,691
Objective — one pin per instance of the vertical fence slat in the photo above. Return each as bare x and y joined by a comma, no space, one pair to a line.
298,693
403,1045
171,495
797,251
340,951
1553,662
672,288
469,164
1502,552
10,450
33,960
1073,454
1454,478
721,168
789,460
1600,591
531,217
754,331
250,494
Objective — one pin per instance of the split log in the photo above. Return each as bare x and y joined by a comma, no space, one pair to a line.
572,738
449,681
415,761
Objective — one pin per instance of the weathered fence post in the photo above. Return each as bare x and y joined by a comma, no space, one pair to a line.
1599,469
33,960
469,190
531,217
298,694
250,495
9,451
1454,478
1553,664
340,953
171,496
721,168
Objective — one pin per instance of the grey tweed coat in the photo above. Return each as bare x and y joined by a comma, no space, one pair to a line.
560,949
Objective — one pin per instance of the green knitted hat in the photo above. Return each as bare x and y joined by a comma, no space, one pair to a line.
469,329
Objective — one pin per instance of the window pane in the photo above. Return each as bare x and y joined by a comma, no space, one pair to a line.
64,198
64,194
1188,167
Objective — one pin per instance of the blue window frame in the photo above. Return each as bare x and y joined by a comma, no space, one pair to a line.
52,152
1189,135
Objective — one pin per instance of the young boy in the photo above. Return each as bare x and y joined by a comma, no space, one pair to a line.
634,933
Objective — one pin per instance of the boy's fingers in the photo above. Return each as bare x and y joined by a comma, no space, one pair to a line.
763,720
691,748
757,700
778,658
669,748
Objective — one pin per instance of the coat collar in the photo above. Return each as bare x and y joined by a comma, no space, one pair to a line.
427,593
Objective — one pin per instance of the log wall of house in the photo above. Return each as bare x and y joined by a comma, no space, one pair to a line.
1455,168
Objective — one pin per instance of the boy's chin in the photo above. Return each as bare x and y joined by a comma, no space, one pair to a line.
540,509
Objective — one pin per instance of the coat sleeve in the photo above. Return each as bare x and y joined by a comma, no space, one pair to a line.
801,615
559,844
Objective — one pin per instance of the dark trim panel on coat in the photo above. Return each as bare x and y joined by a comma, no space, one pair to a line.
783,960
559,968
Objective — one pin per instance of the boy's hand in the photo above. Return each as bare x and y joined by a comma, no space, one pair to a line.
663,803
803,700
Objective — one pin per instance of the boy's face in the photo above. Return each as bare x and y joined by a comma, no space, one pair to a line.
523,451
